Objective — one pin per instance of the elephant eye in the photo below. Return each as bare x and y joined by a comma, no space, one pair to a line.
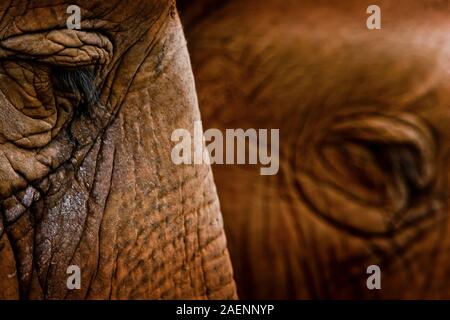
395,154
382,166
78,81
73,57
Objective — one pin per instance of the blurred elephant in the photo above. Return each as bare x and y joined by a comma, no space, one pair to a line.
364,154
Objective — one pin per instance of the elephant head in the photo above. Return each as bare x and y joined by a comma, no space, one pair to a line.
364,143
86,177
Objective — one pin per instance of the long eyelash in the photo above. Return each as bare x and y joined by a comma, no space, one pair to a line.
79,81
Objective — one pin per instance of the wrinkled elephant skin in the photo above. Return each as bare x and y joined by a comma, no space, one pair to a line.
93,185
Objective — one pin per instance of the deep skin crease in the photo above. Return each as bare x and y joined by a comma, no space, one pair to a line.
364,155
85,172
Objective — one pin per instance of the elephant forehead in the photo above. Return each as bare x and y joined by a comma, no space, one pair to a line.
122,21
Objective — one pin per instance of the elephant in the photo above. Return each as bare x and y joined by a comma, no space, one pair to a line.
86,178
363,115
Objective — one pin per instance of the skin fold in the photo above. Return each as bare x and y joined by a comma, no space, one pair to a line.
87,180
364,143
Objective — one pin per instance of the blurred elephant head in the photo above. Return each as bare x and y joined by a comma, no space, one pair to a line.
364,143
86,177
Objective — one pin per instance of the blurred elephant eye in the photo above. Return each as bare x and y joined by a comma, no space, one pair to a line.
399,153
384,163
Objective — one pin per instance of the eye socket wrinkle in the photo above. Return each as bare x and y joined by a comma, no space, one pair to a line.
77,81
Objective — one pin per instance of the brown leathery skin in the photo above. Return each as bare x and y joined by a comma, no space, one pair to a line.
98,189
364,143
